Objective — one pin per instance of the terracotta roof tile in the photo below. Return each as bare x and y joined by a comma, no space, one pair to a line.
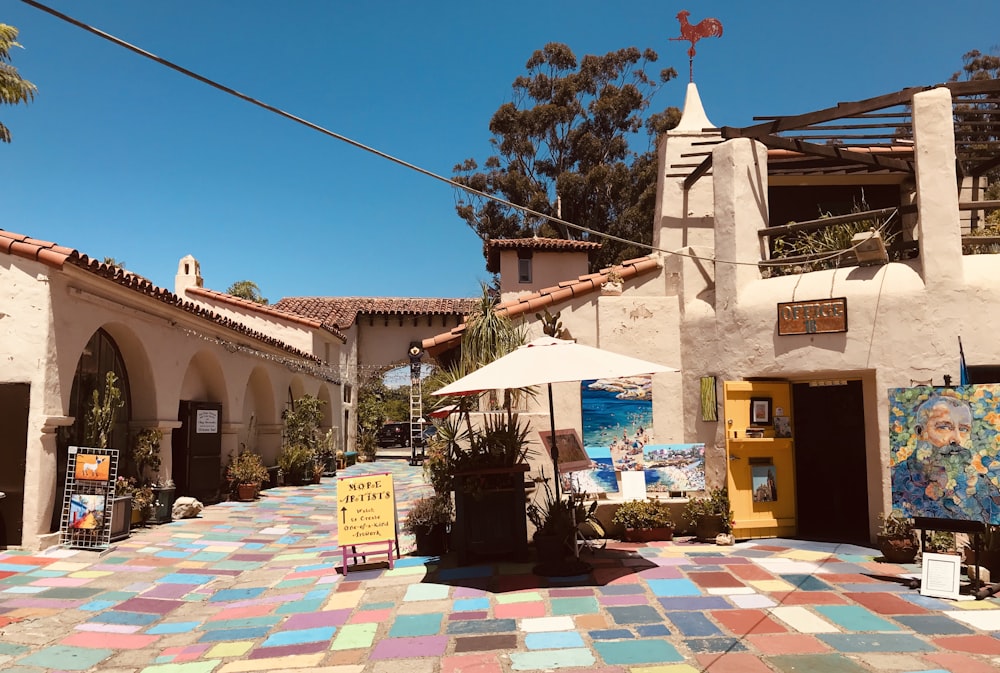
536,301
264,309
342,312
57,256
492,248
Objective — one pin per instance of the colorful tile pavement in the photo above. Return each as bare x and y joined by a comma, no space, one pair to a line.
249,587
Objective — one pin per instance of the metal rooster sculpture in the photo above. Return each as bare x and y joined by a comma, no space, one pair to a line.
705,28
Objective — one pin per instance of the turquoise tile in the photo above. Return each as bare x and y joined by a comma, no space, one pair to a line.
228,595
871,642
806,582
855,618
185,578
467,627
24,590
379,606
637,652
209,556
128,618
584,605
47,573
298,607
98,606
297,637
553,640
64,658
242,623
673,587
547,659
416,625
289,584
12,649
172,627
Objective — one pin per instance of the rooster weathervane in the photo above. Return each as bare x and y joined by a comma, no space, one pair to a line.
705,28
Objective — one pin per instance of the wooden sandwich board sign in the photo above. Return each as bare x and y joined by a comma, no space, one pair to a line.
366,515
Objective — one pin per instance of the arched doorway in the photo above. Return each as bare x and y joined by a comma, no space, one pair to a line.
100,356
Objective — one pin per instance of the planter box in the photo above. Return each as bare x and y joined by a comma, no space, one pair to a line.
648,534
121,517
490,516
163,504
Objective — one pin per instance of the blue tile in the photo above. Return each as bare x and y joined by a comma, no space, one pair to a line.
98,606
185,578
621,589
871,642
297,607
380,606
932,624
637,652
652,630
806,582
129,618
553,640
299,636
65,658
242,623
234,634
693,624
610,634
707,645
471,605
673,587
696,603
635,614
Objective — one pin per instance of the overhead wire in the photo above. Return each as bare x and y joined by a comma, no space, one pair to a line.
384,155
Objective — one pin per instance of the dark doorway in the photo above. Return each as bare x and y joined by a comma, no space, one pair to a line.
831,472
13,456
197,450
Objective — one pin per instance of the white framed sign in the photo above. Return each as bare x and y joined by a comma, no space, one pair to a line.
206,421
940,575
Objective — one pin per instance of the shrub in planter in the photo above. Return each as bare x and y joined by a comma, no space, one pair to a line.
644,520
896,538
247,472
428,521
709,515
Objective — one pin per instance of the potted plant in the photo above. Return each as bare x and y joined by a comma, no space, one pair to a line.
301,439
709,515
644,520
555,529
896,538
295,462
989,553
247,471
429,521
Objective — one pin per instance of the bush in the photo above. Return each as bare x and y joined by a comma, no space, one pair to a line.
247,468
715,503
428,512
643,514
894,524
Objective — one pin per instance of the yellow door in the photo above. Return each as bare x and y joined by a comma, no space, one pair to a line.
759,448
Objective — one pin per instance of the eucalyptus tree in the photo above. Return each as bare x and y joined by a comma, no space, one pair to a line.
563,147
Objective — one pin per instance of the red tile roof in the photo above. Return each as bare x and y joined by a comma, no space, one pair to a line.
492,248
57,257
344,311
266,310
537,301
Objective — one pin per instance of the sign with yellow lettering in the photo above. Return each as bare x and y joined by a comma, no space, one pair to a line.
366,509
819,316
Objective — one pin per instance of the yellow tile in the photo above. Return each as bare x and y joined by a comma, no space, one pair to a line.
66,566
412,570
274,665
344,599
974,605
769,586
192,564
519,597
90,574
235,649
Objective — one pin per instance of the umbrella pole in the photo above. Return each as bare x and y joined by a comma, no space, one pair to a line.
554,451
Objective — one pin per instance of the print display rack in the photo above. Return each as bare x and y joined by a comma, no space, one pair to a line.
87,498
975,530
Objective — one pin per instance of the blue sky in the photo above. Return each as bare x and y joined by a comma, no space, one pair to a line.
119,156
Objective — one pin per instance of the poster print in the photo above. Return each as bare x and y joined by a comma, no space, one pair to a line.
764,483
92,467
943,452
675,467
86,511
618,417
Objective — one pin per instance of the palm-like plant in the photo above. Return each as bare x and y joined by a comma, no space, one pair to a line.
14,89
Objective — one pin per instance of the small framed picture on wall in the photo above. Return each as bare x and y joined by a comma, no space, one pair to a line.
760,410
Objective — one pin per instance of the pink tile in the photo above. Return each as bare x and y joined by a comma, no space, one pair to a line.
519,610
472,663
115,641
366,616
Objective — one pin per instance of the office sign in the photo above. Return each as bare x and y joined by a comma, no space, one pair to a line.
818,316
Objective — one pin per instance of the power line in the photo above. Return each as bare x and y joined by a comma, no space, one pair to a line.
354,143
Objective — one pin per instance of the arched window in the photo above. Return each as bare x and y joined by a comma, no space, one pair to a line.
100,356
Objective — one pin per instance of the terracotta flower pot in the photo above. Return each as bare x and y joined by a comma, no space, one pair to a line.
898,548
246,492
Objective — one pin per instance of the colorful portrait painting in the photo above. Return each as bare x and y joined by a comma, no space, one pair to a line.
944,445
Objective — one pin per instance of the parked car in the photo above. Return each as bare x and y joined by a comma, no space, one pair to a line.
427,435
394,434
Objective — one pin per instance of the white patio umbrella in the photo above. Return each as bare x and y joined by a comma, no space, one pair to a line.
548,360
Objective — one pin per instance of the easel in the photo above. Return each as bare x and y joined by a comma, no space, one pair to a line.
975,530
